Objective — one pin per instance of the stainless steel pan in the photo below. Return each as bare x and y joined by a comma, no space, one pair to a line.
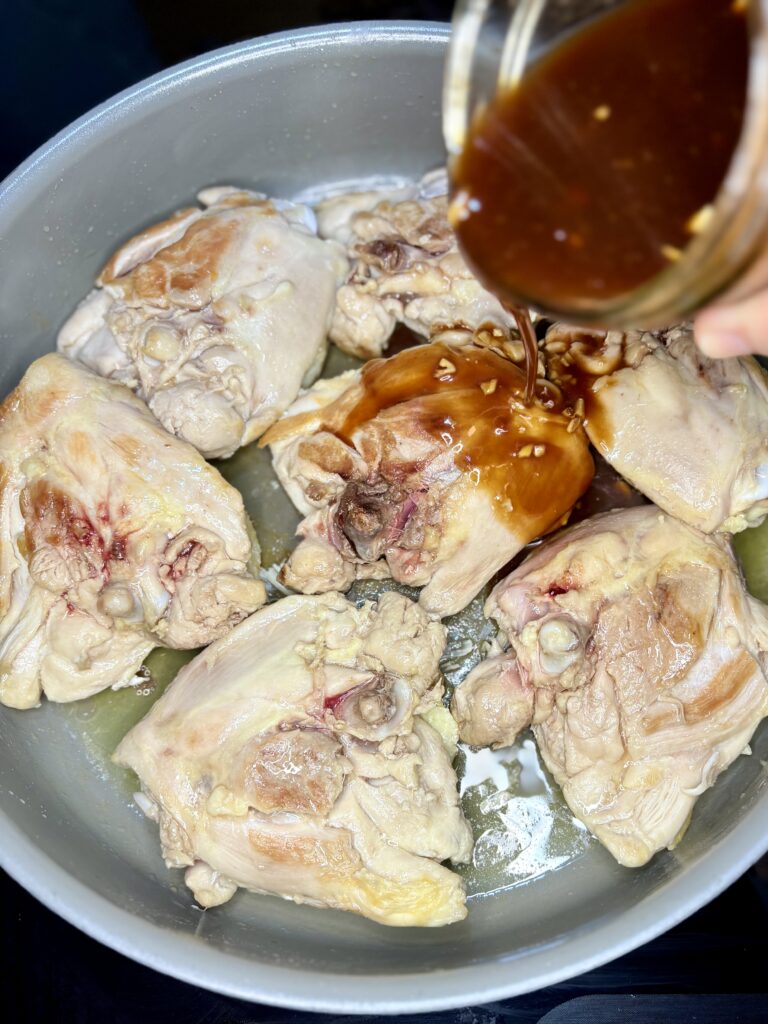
284,113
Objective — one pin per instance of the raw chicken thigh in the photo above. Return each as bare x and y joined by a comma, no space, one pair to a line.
426,467
215,317
691,433
115,537
405,268
295,757
639,658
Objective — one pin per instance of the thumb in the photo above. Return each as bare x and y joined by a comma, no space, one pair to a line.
736,330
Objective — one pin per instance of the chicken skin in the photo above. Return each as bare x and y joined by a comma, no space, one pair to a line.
115,537
427,467
640,660
295,757
405,268
215,317
690,433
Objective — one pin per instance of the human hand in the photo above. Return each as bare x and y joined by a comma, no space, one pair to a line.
735,330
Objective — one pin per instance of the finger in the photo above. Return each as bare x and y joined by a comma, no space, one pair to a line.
736,330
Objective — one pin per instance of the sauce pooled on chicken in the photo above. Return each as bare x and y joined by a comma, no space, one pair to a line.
473,401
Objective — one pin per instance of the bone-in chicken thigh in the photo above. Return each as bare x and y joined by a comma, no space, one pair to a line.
405,268
215,317
427,467
691,433
640,659
295,757
115,537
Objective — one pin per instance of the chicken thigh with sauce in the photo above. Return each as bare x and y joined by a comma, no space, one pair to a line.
115,537
691,433
427,467
640,660
296,757
405,268
215,316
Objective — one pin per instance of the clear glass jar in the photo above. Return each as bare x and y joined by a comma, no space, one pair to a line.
493,43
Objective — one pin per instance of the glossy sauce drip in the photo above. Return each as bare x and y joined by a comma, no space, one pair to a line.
595,172
530,459
530,348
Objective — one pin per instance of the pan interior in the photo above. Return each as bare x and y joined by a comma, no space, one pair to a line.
319,108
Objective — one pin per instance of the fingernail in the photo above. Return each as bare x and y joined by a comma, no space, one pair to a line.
722,344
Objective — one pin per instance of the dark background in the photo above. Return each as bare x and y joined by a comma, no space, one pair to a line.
58,58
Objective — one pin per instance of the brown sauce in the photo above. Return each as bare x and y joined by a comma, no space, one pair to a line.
401,338
533,460
607,492
530,348
595,172
579,364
